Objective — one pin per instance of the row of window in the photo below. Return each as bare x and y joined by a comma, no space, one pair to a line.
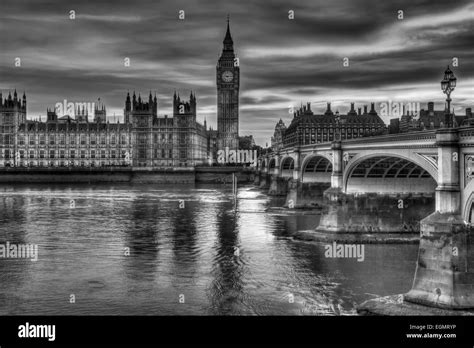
163,153
61,139
85,163
343,130
52,140
72,154
70,164
83,154
307,137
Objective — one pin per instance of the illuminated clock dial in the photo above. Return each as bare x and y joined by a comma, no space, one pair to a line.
227,76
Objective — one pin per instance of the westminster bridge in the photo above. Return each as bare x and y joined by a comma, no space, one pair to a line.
369,186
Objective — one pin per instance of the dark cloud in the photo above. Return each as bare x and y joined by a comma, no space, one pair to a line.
283,62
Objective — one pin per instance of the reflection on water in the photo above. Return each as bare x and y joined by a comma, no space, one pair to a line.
132,250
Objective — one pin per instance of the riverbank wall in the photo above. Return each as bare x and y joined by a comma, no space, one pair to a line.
176,175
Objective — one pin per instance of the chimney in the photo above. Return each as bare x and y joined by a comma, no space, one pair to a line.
328,110
468,112
430,106
365,109
359,111
372,108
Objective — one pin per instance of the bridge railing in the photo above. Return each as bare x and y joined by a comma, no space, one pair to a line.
466,133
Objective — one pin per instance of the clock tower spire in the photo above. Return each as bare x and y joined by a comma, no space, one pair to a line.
228,80
228,43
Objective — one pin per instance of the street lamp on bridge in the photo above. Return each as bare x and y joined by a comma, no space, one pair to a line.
447,86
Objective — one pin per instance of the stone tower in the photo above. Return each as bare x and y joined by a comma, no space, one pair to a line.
100,112
12,115
228,80
141,116
184,116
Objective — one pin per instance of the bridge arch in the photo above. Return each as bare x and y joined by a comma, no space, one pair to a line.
271,164
263,164
468,204
388,173
469,210
316,168
287,166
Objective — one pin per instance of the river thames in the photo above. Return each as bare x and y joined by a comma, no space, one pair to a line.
179,250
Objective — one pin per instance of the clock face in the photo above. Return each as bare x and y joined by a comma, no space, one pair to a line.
227,76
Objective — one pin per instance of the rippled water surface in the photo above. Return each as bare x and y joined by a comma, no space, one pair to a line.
225,258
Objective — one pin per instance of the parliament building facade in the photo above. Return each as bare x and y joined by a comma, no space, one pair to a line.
142,140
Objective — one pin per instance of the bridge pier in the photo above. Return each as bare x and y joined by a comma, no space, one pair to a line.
278,186
335,193
256,178
444,274
264,181
337,170
305,195
397,215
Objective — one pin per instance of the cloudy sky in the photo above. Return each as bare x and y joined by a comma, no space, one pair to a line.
283,62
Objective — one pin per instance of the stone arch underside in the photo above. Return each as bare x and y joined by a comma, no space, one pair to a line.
316,168
287,166
388,174
271,164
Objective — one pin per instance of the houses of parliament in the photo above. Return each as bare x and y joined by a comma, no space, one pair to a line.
142,140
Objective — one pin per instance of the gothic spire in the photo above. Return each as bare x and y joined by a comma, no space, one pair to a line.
228,43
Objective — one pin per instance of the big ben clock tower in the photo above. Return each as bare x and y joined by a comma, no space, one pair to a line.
227,78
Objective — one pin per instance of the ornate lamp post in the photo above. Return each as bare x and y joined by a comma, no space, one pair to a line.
447,86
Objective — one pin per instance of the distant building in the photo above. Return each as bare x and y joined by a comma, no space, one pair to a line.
468,119
277,138
429,119
308,128
394,126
